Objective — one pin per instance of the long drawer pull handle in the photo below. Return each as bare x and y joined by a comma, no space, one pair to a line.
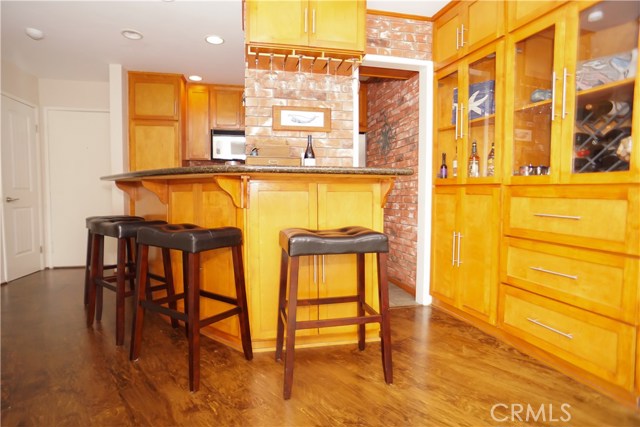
539,323
557,216
569,276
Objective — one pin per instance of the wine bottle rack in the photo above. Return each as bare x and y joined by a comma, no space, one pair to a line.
604,134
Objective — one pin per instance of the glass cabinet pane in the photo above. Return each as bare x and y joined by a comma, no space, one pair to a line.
447,122
605,75
480,113
534,84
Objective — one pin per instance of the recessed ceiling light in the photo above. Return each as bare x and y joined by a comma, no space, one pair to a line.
595,16
131,34
213,39
34,33
195,78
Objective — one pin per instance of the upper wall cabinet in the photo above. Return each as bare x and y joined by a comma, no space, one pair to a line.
520,12
155,96
465,27
321,25
571,92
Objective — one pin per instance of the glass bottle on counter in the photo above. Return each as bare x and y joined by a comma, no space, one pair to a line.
454,164
309,157
443,166
474,161
491,168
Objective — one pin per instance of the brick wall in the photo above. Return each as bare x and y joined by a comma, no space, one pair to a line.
392,141
398,36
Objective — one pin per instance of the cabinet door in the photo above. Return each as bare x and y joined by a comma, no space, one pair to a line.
340,205
446,37
520,12
198,144
534,71
478,246
277,22
155,96
448,137
226,109
444,246
484,23
154,144
273,206
337,24
598,114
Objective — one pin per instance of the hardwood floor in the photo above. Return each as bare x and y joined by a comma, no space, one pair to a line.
57,372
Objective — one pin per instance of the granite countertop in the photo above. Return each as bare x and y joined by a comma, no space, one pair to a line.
243,169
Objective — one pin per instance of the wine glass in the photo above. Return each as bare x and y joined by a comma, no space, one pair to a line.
300,77
271,75
328,80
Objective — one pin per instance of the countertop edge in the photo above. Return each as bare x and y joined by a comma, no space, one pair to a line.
242,169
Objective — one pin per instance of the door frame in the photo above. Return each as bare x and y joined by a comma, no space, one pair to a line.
40,190
425,156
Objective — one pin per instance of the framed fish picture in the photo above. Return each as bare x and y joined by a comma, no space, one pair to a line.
301,118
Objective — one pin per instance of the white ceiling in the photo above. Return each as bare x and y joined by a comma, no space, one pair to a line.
81,38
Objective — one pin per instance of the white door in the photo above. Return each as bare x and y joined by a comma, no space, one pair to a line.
78,155
21,200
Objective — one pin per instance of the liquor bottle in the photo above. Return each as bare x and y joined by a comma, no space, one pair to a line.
443,166
309,158
491,168
474,161
454,164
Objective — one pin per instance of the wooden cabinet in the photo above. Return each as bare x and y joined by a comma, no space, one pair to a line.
211,107
156,117
467,110
465,27
324,25
275,205
226,107
520,12
465,248
601,346
567,70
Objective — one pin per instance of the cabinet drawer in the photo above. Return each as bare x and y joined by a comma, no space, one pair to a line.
599,345
604,219
596,281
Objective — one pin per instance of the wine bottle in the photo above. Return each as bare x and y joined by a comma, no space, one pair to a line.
491,169
604,108
443,166
309,157
454,164
474,161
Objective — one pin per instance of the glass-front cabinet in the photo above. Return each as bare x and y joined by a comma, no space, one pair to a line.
571,84
468,137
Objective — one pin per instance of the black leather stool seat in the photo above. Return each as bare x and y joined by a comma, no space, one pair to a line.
297,242
121,229
189,238
91,219
346,240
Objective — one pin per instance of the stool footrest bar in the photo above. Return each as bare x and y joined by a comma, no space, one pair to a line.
325,323
153,306
218,297
220,316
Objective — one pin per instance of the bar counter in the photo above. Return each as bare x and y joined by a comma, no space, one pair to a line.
262,200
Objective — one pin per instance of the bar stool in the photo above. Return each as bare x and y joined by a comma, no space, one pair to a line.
191,240
297,242
89,221
124,230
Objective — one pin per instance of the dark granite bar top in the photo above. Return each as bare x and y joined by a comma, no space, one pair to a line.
242,169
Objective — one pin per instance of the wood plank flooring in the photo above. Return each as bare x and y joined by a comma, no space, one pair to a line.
57,372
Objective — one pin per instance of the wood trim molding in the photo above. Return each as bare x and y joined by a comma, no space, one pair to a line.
399,15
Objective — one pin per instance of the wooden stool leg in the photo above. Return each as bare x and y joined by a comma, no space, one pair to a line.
130,264
241,297
192,282
385,323
291,327
168,277
361,328
138,313
121,274
282,298
87,269
95,266
99,275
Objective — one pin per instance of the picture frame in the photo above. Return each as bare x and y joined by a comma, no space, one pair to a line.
301,118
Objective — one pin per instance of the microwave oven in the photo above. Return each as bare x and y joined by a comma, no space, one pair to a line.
228,145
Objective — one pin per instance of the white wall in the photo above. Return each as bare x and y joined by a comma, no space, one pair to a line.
19,84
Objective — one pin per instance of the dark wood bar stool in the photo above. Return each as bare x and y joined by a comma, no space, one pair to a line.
191,240
90,220
124,230
297,242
